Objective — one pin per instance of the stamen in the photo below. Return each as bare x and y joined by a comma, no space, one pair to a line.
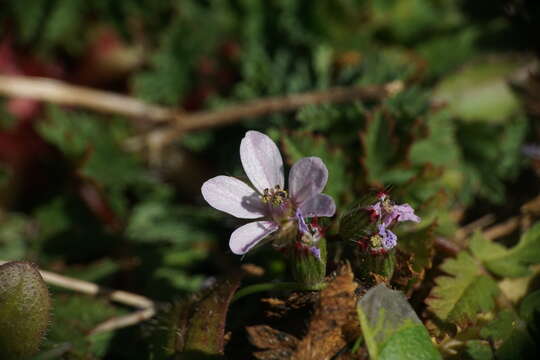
275,196
376,241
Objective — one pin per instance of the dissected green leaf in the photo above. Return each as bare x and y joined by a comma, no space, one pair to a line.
467,291
515,334
391,328
513,262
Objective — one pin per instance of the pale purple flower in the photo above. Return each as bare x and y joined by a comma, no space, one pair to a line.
268,200
388,213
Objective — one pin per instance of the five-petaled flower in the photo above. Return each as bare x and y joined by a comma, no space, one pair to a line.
385,213
277,208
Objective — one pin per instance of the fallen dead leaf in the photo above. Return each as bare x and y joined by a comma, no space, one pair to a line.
278,344
334,322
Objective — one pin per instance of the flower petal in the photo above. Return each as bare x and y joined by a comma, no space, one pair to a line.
261,160
307,178
405,212
247,236
234,197
389,239
319,205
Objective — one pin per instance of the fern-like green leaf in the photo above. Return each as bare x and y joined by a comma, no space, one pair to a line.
512,262
467,291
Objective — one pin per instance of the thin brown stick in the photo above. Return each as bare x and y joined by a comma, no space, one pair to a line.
59,92
447,246
123,321
502,229
471,227
85,287
256,108
207,119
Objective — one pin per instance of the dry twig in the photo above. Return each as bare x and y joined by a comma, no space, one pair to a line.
59,92
124,321
471,227
502,229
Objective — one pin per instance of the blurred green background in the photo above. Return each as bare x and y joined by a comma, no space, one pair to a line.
87,193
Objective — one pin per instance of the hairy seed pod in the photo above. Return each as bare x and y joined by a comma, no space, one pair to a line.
24,310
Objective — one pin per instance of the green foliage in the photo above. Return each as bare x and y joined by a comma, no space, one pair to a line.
480,91
459,297
514,331
492,156
73,325
13,235
514,262
132,217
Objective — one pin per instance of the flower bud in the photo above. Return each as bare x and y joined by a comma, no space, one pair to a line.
24,310
358,221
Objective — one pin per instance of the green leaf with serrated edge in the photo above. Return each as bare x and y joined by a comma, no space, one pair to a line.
24,310
513,262
510,333
391,328
467,291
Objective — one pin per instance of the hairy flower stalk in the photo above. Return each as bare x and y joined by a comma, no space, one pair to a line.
280,211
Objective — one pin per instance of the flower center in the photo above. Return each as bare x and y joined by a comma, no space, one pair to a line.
387,205
376,241
275,197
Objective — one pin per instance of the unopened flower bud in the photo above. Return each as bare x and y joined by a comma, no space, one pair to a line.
359,220
24,310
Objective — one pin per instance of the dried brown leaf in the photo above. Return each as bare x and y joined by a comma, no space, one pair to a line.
334,321
265,337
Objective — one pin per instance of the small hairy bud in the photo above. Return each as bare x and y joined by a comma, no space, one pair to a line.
24,310
358,221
